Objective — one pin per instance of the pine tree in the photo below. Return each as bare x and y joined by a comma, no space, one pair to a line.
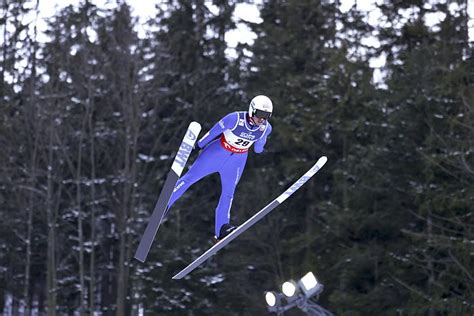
429,77
187,80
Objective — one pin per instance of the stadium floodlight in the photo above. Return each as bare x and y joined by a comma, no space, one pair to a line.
271,298
309,284
297,294
289,288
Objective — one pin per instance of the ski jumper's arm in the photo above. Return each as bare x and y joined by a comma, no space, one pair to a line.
259,144
228,122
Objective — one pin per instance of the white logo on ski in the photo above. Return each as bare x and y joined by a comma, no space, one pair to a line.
186,147
303,179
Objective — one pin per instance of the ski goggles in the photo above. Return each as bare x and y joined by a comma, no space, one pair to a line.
262,114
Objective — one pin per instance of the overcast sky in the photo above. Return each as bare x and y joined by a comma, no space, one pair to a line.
144,9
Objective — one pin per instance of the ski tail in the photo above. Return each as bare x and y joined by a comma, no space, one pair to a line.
254,219
177,167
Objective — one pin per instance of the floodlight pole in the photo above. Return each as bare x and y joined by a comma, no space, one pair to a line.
308,307
313,309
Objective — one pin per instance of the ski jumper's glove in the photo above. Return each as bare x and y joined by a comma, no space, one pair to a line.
259,145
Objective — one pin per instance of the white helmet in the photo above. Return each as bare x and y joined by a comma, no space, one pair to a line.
261,106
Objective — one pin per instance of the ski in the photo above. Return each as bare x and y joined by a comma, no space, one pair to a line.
255,218
160,208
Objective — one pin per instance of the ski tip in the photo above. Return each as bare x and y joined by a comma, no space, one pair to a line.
176,277
195,126
140,258
321,161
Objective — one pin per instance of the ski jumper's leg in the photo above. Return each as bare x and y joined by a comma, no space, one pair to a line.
230,174
204,165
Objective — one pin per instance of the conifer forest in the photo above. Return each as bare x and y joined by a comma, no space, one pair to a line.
93,110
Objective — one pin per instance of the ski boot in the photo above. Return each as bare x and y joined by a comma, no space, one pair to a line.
226,229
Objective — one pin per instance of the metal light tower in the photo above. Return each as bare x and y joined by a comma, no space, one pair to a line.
297,294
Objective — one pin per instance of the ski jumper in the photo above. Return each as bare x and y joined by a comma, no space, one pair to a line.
226,155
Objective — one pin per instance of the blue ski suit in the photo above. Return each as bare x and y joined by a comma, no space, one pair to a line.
225,151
